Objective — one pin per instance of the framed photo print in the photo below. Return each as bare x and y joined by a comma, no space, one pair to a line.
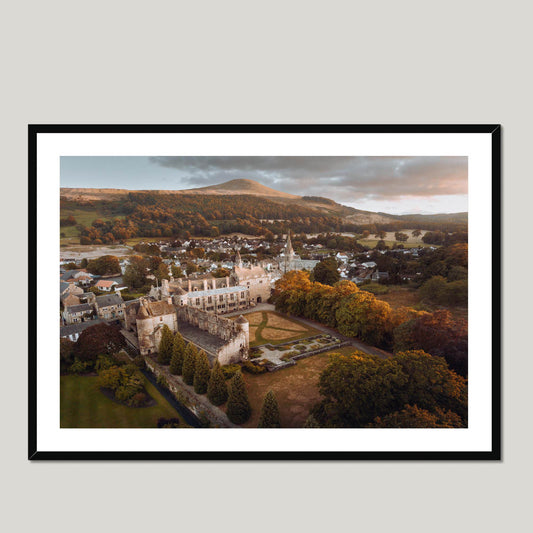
264,292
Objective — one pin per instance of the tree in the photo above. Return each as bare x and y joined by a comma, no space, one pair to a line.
96,340
217,390
238,409
358,388
164,353
221,273
84,263
135,273
365,234
107,264
416,233
162,272
191,267
414,417
176,271
202,373
178,354
326,271
269,412
380,234
189,364
401,237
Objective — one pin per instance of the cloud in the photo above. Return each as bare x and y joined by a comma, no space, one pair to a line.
344,179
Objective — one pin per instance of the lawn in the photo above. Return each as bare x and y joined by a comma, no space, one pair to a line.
295,388
267,327
84,406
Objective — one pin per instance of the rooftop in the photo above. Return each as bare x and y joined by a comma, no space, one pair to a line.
108,299
214,292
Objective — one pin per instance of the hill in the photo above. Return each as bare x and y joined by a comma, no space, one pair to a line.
113,202
241,186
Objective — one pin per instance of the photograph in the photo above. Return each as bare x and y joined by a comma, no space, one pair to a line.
313,283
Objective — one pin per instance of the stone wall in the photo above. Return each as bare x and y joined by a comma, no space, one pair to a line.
236,335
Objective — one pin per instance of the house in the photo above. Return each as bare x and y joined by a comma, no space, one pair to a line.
73,314
106,285
73,331
110,306
370,264
380,276
69,288
80,277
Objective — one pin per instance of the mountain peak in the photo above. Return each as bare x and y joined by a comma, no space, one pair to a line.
242,186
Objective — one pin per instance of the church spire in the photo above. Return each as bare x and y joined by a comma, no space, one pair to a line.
289,252
238,260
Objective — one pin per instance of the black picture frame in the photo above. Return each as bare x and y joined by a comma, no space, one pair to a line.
495,453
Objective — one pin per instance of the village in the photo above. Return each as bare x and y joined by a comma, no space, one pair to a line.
225,288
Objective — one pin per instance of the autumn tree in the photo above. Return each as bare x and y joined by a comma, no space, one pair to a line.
401,237
164,353
238,407
416,233
178,354
201,373
189,364
162,272
380,234
217,389
414,417
96,340
107,264
326,271
269,412
358,388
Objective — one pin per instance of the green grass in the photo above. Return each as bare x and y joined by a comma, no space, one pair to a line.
84,406
84,216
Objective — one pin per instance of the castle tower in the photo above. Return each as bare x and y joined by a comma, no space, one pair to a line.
244,325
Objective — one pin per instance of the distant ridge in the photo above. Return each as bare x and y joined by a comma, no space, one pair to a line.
253,188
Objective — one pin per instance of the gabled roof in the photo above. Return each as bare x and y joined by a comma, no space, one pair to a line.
106,283
108,299
79,308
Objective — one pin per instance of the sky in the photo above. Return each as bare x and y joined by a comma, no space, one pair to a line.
396,185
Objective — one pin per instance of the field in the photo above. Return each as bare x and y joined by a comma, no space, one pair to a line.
412,242
84,406
295,388
267,327
399,297
404,297
90,251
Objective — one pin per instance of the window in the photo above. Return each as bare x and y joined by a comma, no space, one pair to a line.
209,299
242,294
160,319
197,301
232,297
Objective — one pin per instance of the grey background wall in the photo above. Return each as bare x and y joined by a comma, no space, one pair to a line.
267,62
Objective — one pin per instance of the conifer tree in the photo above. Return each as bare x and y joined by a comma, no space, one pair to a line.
165,346
239,409
189,364
217,390
269,412
178,354
202,373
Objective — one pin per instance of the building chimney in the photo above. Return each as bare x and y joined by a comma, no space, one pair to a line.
205,284
214,283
